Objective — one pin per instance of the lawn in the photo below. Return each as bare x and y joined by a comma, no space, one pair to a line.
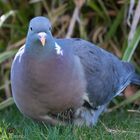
120,124
112,25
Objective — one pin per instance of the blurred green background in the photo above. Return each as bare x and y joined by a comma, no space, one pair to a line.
104,23
112,25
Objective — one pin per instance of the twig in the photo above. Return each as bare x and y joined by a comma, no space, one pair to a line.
134,22
17,44
117,51
79,4
6,103
72,23
97,32
117,131
130,12
7,88
133,111
3,86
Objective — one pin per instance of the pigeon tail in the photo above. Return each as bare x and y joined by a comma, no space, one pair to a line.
135,79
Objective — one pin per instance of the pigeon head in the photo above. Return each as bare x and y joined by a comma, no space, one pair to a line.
39,33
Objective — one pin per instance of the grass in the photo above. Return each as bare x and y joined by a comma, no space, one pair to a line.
116,125
101,22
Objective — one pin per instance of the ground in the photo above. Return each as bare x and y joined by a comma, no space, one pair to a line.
117,125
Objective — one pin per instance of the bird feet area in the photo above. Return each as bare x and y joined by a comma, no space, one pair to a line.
88,117
82,116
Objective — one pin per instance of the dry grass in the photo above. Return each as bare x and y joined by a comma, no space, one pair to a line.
103,22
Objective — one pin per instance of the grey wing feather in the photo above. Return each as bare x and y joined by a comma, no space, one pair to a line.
106,75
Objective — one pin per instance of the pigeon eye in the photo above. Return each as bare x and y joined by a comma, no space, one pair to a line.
31,28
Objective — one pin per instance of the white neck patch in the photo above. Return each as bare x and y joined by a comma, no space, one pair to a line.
58,49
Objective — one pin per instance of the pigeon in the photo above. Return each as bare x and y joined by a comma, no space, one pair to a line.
61,81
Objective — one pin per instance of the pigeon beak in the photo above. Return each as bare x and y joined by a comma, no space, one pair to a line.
42,38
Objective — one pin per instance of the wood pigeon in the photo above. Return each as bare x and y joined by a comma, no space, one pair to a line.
65,80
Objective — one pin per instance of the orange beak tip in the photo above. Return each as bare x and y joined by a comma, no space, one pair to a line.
43,41
42,38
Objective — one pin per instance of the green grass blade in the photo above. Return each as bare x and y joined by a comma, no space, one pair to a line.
115,25
4,17
6,103
96,8
6,55
104,9
132,46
